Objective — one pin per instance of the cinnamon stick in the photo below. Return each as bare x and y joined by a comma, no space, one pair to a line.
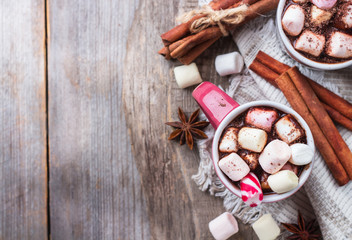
263,71
178,32
196,51
222,4
196,39
292,95
182,30
338,117
333,100
325,95
328,128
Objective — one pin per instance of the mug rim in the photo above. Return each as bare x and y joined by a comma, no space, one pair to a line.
274,197
296,55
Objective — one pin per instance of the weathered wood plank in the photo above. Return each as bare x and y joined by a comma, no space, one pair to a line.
176,208
23,174
95,190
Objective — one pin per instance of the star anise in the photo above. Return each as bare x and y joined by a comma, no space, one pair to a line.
188,130
302,230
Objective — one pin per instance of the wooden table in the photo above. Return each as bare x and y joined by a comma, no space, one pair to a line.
84,98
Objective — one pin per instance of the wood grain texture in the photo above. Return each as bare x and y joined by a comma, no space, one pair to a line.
176,208
95,190
23,174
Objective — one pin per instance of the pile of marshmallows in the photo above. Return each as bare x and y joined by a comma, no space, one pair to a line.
338,44
273,157
226,64
225,225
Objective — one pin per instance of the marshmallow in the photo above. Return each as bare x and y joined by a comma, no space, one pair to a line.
293,20
223,226
251,191
274,156
291,167
266,228
230,63
311,43
252,139
234,167
344,19
324,4
302,154
319,16
300,1
261,117
229,141
288,129
283,181
250,158
187,75
339,45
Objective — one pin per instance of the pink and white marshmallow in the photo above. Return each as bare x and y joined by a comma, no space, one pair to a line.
274,156
344,20
339,45
252,139
228,142
283,181
262,117
251,191
293,20
223,226
310,42
234,167
324,4
288,129
266,228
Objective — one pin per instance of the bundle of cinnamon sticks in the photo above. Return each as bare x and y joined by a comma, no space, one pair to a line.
318,106
181,44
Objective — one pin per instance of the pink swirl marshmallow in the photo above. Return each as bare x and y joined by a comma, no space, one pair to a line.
324,4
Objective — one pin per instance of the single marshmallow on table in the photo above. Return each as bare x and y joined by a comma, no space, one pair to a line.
187,75
344,20
251,190
324,4
274,156
266,228
261,117
283,181
234,167
311,43
293,20
302,154
339,45
229,63
252,139
287,129
319,16
223,226
228,142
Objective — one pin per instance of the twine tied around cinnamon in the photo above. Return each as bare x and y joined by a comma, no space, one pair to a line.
232,16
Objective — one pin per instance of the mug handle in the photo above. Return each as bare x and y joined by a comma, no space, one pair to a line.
214,102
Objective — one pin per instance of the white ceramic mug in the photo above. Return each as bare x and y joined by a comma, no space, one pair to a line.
221,109
298,56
